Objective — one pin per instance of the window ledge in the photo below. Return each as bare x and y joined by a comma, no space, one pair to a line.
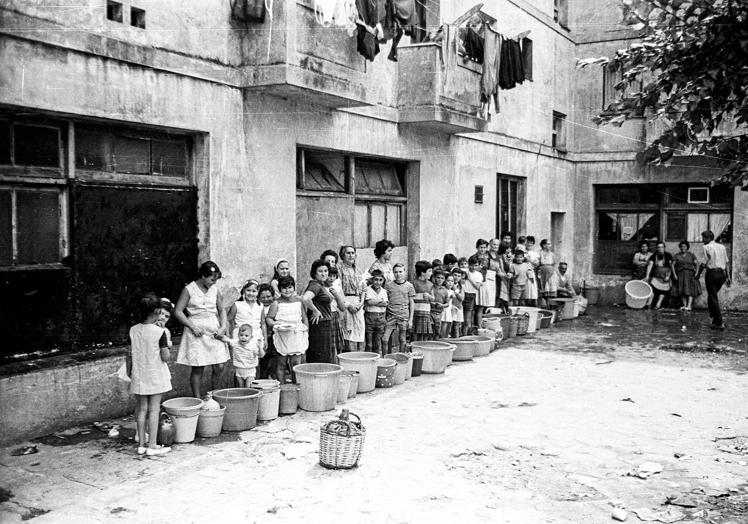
122,178
322,194
55,266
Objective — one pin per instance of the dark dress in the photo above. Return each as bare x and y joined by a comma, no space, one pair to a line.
325,337
685,269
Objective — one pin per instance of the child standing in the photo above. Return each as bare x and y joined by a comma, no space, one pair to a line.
422,328
519,274
246,353
473,285
459,277
287,318
401,308
247,310
376,303
440,303
146,366
266,296
447,317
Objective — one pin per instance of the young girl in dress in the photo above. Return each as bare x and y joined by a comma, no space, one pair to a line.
282,269
246,351
459,277
146,365
447,317
288,321
247,310
473,285
440,303
422,328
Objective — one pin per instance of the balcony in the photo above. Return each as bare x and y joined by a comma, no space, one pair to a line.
438,94
293,56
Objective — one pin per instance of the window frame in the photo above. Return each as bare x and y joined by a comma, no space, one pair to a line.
664,208
516,219
62,209
152,177
558,132
13,169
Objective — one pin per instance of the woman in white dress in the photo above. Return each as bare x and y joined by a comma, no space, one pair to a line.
204,318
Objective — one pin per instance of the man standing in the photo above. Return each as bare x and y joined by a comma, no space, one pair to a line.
717,274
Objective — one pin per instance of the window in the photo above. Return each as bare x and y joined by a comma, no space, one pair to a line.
30,226
527,57
379,210
510,196
321,171
561,13
114,11
628,214
139,153
478,197
698,195
611,78
137,17
558,133
30,145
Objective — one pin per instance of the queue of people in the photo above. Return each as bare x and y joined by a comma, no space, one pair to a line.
270,327
679,275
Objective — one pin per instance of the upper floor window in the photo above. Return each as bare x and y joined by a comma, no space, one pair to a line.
119,151
561,13
558,132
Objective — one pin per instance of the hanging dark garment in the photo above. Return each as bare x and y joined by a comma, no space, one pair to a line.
248,10
489,81
371,12
400,15
418,31
511,70
473,44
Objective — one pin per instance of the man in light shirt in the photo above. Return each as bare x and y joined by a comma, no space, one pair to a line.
717,274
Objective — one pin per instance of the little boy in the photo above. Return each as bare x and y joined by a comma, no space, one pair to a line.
520,275
400,308
441,300
245,356
375,307
473,283
457,313
422,328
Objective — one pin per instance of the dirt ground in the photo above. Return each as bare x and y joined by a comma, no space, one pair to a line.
637,410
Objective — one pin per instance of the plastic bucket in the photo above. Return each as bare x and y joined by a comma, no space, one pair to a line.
545,319
549,313
401,371
210,422
496,336
289,399
270,400
417,359
241,407
386,372
344,387
365,363
318,385
184,412
463,348
436,355
481,344
565,307
353,387
638,294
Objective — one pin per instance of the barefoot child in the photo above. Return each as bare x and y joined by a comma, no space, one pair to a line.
246,351
146,365
520,274
440,303
459,277
288,321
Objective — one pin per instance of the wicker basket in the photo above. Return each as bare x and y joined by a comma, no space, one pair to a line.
523,322
341,441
